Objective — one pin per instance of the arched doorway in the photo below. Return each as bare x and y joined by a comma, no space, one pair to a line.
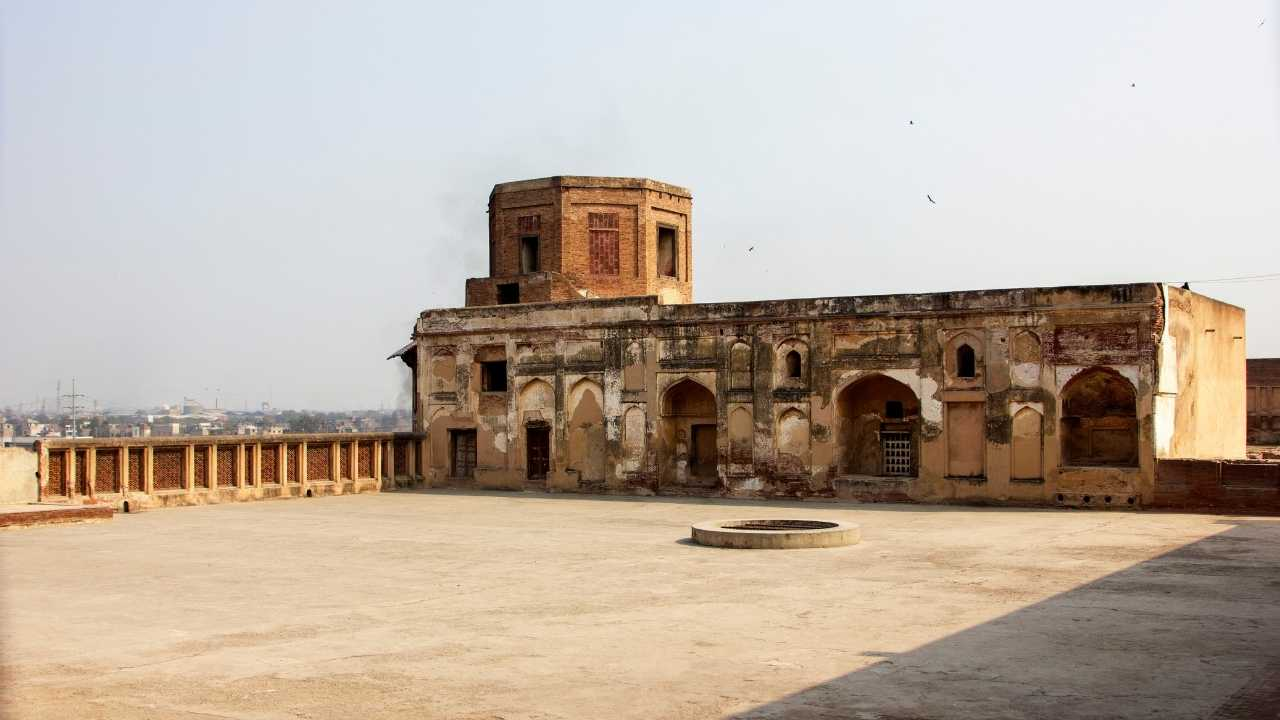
877,428
1099,420
688,435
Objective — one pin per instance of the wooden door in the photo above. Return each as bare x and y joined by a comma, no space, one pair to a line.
537,451
703,453
464,453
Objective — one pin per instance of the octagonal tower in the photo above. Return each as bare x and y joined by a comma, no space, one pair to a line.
573,237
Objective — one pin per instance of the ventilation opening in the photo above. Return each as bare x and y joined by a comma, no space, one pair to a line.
493,376
893,410
667,265
966,362
1088,499
529,255
1060,498
125,507
308,492
508,293
1107,499
1131,499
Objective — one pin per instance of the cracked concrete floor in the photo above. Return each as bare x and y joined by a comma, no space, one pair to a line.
438,605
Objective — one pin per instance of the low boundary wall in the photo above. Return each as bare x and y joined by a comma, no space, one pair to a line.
198,469
1218,485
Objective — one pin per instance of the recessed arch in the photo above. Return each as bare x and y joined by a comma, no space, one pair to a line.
1027,445
871,437
688,435
585,430
1099,419
792,442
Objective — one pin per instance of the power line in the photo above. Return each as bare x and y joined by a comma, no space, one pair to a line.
1240,278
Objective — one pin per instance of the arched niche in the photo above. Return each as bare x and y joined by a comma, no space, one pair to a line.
877,427
1027,449
688,435
1099,420
792,442
585,430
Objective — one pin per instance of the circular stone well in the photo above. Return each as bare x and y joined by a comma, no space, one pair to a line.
767,534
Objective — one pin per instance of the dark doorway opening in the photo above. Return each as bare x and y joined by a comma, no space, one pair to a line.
703,451
529,259
668,264
463,452
538,451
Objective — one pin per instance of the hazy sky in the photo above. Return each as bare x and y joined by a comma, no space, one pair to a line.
261,196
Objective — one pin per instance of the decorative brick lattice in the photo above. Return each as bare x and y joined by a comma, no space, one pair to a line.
106,476
344,461
291,464
270,464
169,469
226,466
318,462
364,458
603,233
57,481
137,456
248,465
82,472
401,457
202,466
529,224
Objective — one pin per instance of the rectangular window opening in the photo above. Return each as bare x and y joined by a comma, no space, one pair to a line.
508,293
493,376
529,260
668,263
463,451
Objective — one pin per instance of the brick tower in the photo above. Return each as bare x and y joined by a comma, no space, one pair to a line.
572,237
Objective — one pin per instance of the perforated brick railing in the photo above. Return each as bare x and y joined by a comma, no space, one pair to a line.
177,470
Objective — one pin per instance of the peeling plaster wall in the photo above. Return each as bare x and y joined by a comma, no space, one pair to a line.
778,435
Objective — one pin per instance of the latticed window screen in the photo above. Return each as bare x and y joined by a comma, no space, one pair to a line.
169,468
896,451
317,462
57,483
136,475
291,464
270,463
365,459
202,466
226,466
603,231
248,464
105,473
344,461
401,458
82,472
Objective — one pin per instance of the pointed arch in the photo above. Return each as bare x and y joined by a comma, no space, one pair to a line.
1099,419
1027,450
792,441
877,426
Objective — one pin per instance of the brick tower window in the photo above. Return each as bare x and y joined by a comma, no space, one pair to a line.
603,232
529,260
667,256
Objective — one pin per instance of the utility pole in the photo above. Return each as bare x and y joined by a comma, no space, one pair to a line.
72,399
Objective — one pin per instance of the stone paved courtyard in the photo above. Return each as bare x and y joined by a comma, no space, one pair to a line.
434,605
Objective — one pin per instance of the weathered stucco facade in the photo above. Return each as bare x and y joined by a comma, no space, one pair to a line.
1040,395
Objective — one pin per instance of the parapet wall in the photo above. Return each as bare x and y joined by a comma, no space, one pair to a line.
195,470
1218,485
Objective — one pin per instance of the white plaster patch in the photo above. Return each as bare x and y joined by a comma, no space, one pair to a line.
500,442
930,405
1168,382
1026,374
1164,414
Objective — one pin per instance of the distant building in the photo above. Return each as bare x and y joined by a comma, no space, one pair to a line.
247,429
1262,378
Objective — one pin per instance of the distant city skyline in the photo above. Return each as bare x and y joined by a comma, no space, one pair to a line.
261,197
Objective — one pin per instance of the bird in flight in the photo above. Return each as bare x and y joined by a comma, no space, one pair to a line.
930,197
753,247
1133,84
1264,20
911,122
